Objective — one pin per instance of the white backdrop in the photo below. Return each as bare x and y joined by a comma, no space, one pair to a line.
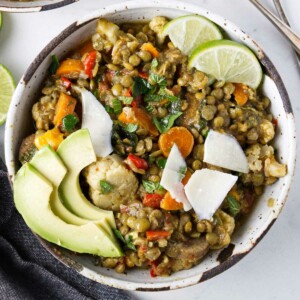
271,270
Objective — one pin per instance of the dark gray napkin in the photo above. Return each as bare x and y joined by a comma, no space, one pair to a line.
28,271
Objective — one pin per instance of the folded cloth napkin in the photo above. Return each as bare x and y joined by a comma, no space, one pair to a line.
28,271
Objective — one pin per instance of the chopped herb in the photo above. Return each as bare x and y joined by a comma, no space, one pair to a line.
119,134
69,122
154,63
96,93
128,243
150,187
182,171
131,127
140,86
154,98
205,134
54,65
109,109
149,107
232,205
162,94
202,124
161,162
117,106
158,79
175,107
126,100
106,187
167,122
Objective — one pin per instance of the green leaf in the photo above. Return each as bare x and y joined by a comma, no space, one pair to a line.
128,243
54,65
109,109
233,205
154,63
167,122
150,187
202,124
175,107
117,106
182,171
149,107
69,122
158,79
125,99
106,187
161,95
161,162
140,86
131,127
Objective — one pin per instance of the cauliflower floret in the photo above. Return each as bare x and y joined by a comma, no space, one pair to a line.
267,131
108,29
274,168
157,24
253,157
112,170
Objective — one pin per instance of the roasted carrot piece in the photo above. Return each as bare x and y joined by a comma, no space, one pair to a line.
179,135
65,106
51,137
139,116
150,48
152,200
241,93
86,47
169,203
69,66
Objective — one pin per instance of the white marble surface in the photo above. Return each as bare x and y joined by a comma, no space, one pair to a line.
271,270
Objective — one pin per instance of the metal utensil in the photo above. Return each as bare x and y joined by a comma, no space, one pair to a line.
283,17
281,26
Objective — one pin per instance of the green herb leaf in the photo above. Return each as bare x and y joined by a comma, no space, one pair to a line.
167,122
149,108
125,99
154,63
106,187
175,107
109,109
233,205
161,162
202,124
182,171
140,86
69,122
158,79
54,65
131,127
150,187
128,243
117,106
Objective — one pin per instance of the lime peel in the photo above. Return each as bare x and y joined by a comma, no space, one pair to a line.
228,61
7,88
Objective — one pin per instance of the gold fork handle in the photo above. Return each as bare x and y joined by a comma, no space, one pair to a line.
283,28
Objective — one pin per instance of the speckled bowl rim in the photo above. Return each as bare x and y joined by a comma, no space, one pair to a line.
230,259
33,7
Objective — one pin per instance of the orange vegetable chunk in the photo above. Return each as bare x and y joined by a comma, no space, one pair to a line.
179,135
240,93
86,47
139,116
150,48
51,137
69,66
65,106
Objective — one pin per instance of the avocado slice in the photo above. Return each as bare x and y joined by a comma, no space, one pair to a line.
49,164
32,193
77,152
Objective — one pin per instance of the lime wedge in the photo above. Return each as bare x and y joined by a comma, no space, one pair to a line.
0,20
7,87
188,32
228,61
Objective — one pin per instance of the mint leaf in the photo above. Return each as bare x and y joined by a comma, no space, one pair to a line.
125,99
182,171
128,243
106,187
117,106
154,63
54,65
140,86
158,79
150,187
167,122
131,127
233,205
69,122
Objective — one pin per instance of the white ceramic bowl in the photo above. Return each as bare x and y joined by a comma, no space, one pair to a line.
19,125
32,6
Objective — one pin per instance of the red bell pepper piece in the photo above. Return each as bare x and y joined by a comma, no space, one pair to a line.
89,63
154,235
66,82
140,163
143,75
152,200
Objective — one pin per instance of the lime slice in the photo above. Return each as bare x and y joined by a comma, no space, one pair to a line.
228,61
188,32
7,87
